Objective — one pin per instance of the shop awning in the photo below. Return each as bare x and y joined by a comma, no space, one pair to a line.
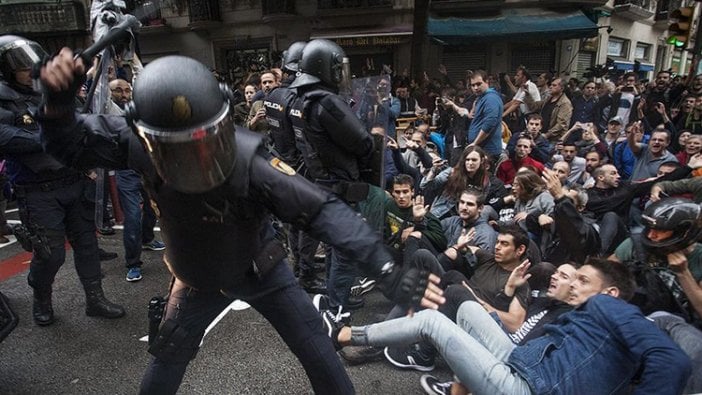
629,66
380,31
513,23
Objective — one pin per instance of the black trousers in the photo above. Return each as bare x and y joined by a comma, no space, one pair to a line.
281,301
64,212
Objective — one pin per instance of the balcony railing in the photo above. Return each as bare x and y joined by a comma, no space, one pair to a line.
635,9
272,7
277,10
203,13
42,17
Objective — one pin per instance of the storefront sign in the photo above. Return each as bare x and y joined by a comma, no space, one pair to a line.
368,41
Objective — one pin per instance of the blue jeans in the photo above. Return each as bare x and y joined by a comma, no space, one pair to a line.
282,302
475,348
139,218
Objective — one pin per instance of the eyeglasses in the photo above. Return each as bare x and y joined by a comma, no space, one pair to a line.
120,90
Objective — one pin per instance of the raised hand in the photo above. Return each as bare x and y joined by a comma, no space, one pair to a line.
419,210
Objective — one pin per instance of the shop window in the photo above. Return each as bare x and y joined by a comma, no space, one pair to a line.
643,51
617,47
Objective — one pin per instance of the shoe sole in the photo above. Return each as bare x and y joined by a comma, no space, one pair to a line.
358,290
404,366
428,387
153,249
131,280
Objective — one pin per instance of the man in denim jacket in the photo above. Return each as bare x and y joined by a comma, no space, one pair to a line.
604,346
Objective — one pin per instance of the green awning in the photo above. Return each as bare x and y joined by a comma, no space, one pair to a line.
514,23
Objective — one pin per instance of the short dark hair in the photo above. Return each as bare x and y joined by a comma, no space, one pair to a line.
615,274
479,73
403,179
518,234
479,196
535,117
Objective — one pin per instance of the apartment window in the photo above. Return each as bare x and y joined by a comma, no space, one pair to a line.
643,51
617,47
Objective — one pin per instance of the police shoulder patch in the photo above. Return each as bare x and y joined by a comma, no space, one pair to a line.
282,166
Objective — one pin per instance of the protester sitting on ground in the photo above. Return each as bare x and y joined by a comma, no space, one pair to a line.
532,200
541,150
448,182
489,285
570,234
619,344
547,303
406,216
470,205
521,157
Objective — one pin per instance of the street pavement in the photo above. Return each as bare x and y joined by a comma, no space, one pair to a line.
242,354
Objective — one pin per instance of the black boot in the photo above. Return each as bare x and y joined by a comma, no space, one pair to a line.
42,311
311,283
97,305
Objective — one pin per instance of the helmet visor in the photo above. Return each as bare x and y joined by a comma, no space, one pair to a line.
21,54
192,160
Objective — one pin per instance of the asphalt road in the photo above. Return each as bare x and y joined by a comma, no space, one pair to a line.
242,354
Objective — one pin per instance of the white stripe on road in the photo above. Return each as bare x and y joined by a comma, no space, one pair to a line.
236,305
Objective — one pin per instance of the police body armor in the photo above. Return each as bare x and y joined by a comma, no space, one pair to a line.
19,109
323,157
277,104
234,232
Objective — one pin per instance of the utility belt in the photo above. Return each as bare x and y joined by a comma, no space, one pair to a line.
349,191
46,186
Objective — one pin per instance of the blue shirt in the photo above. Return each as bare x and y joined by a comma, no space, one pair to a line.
488,118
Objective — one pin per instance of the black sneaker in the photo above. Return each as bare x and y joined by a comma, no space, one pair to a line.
409,358
320,302
362,286
433,386
333,322
355,355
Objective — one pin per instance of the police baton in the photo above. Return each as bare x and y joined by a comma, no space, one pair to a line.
118,32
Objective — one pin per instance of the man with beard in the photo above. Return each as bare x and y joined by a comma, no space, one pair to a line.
470,206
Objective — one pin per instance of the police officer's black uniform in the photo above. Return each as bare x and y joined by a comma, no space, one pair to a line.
333,143
216,225
53,199
278,103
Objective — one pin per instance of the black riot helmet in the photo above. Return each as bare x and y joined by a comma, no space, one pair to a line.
682,216
17,53
292,56
181,113
321,63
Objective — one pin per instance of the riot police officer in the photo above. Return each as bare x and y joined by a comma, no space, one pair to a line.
334,144
214,186
278,103
51,197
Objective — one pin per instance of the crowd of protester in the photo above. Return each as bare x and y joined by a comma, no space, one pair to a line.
499,179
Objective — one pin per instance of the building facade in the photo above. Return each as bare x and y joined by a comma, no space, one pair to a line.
408,36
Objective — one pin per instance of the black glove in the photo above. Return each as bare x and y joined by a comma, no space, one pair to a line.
405,286
64,99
